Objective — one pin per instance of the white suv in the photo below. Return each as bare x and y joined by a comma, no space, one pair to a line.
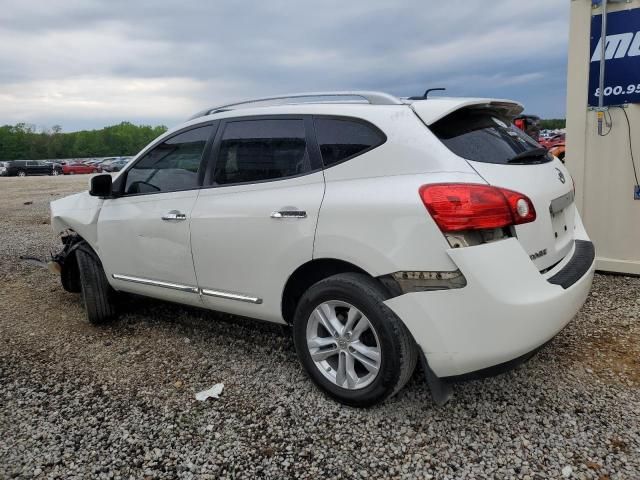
386,231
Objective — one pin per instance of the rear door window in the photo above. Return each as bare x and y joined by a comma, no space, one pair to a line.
484,136
343,139
262,149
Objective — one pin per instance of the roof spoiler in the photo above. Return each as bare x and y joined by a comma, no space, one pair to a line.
432,110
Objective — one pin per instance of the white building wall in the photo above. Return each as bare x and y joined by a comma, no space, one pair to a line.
601,166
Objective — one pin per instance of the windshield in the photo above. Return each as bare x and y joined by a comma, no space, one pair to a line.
484,136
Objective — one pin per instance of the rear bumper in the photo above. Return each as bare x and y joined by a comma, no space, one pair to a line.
507,309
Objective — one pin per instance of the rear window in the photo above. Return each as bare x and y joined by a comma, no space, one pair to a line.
340,140
484,136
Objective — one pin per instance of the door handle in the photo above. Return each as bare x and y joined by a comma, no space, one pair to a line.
174,215
289,214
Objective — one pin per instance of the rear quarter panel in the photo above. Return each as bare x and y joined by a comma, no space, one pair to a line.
381,225
372,214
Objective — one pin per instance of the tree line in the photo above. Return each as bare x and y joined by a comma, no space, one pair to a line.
553,123
22,141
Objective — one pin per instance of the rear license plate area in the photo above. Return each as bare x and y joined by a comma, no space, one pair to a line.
557,210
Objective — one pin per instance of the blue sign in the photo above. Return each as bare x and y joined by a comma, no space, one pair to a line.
622,58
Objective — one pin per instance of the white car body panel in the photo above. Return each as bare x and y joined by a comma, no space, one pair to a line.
136,242
494,318
541,183
239,248
78,212
380,225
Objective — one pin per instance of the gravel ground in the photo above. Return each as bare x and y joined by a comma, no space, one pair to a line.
79,401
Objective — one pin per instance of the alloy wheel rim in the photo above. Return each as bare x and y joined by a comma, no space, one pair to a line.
343,345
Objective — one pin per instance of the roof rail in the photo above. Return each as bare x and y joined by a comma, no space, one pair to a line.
372,98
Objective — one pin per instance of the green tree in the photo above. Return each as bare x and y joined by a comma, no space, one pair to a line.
22,141
553,123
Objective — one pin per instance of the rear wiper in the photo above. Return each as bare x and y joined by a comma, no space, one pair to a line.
535,153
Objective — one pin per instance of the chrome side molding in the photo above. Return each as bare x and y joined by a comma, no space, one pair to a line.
156,283
189,289
231,296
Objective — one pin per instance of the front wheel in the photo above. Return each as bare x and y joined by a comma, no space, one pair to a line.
98,296
55,173
350,343
22,173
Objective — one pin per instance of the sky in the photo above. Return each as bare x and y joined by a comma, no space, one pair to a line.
85,64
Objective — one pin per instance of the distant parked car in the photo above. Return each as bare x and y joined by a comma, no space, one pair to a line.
23,168
56,168
76,168
107,161
530,124
553,141
115,165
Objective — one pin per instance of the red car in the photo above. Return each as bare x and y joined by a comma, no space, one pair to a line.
75,168
552,141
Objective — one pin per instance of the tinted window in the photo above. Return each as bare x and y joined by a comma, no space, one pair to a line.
173,165
483,136
343,139
256,150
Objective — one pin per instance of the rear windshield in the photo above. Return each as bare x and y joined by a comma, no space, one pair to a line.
485,136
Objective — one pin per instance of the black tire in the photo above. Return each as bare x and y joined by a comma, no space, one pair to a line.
97,294
22,173
398,349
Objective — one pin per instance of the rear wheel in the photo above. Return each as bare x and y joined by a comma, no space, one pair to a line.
350,343
97,294
55,173
22,173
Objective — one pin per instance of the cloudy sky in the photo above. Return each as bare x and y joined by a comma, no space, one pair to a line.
86,64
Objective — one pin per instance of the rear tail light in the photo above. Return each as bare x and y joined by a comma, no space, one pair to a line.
457,207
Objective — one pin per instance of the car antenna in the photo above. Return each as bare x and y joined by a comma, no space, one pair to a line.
426,93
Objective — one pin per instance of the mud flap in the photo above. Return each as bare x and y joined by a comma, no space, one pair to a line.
441,390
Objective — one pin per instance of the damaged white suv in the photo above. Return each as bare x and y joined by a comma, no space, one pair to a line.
386,231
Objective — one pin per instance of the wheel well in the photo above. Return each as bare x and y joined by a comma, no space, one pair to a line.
305,276
70,274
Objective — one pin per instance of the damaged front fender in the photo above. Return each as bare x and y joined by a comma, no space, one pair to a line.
75,219
78,213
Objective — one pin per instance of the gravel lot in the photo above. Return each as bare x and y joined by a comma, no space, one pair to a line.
78,401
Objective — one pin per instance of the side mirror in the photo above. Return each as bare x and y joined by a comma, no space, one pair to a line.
101,186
